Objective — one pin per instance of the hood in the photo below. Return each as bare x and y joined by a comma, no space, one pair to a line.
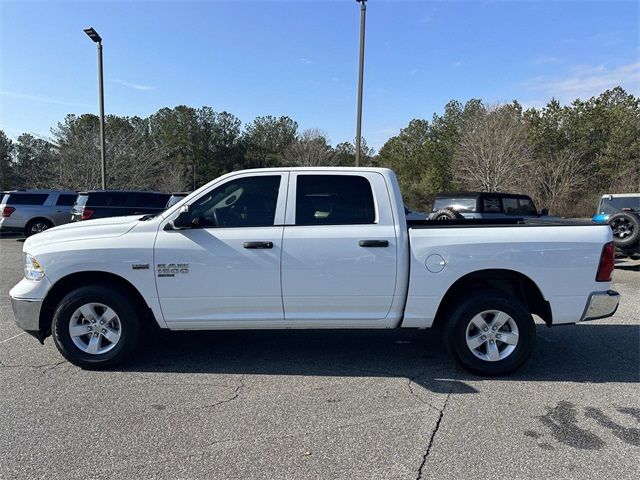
99,228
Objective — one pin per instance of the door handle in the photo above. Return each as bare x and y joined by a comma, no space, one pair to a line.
373,243
258,245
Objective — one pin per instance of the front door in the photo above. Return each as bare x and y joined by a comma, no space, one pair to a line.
225,271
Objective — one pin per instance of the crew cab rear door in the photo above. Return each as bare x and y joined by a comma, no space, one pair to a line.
225,271
339,249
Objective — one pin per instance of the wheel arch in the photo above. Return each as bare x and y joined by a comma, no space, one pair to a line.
80,279
508,281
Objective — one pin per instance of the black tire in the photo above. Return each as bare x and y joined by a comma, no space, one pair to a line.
482,301
128,317
625,227
446,214
36,225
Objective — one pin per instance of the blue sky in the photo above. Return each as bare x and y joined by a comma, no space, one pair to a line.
299,58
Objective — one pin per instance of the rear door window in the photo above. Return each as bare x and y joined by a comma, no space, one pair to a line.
27,198
334,200
66,200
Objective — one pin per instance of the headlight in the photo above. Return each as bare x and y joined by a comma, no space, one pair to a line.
32,269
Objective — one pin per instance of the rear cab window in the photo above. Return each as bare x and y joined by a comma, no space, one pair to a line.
334,200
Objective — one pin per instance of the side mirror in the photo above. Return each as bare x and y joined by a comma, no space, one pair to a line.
544,212
183,220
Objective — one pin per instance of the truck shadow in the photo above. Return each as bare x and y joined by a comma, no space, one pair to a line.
593,353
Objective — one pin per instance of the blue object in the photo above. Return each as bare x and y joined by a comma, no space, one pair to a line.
600,218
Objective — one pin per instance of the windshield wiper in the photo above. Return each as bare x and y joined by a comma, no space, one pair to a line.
148,216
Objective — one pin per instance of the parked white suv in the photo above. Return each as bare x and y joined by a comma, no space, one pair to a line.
33,211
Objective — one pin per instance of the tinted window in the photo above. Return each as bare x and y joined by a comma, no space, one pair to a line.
106,199
66,200
245,202
618,203
510,206
175,199
334,200
81,201
458,204
146,199
527,207
27,198
492,205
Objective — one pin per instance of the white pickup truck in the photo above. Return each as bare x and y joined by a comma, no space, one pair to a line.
310,248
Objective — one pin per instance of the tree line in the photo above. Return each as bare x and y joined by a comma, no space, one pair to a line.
563,156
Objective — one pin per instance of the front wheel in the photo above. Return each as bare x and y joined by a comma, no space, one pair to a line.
95,327
491,333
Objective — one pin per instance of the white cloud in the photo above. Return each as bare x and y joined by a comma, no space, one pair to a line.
585,81
39,98
135,86
457,64
305,61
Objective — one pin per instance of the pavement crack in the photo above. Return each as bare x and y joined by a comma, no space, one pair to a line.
235,395
433,436
46,366
410,383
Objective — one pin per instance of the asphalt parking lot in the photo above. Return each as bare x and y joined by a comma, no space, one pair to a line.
296,404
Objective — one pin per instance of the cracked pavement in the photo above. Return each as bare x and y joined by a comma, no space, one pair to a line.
345,404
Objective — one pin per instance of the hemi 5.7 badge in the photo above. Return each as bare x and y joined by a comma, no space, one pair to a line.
172,269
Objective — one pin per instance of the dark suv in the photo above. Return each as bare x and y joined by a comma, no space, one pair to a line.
115,203
453,205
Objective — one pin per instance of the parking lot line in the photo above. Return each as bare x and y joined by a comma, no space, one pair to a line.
11,338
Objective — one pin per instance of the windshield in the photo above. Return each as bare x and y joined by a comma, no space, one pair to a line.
616,204
458,204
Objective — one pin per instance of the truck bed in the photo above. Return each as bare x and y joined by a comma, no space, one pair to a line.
496,222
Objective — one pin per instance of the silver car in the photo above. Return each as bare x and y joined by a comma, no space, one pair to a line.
32,211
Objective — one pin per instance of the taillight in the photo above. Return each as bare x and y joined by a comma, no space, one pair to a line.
7,211
607,260
86,213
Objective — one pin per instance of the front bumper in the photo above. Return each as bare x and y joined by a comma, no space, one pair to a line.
27,313
601,305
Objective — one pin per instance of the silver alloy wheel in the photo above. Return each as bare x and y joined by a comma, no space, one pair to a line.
492,335
95,328
39,227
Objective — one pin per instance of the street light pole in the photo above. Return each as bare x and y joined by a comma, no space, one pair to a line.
93,35
363,13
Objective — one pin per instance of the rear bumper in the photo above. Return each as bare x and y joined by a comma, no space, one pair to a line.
601,305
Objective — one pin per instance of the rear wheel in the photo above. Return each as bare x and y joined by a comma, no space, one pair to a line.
36,225
491,333
95,327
